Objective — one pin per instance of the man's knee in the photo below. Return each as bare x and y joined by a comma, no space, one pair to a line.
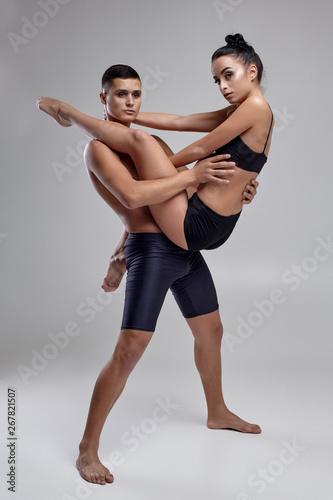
217,331
207,327
130,348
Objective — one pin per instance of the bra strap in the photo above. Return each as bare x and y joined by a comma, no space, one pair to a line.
270,128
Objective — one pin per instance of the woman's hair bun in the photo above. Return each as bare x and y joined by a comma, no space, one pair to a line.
240,49
236,40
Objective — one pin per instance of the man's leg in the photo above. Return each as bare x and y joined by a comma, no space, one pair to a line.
153,263
207,331
196,297
110,384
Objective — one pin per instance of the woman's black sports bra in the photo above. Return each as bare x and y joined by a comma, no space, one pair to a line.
244,157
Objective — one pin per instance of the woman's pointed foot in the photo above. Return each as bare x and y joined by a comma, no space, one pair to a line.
54,108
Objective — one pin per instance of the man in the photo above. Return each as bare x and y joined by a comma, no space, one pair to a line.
154,265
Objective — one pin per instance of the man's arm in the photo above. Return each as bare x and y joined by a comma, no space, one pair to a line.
107,167
117,266
250,192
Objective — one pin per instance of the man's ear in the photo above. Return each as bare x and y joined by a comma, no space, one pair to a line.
102,97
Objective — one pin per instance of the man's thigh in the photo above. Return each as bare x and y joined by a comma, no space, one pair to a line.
153,263
195,292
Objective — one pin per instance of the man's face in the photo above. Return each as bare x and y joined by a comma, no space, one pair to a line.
123,100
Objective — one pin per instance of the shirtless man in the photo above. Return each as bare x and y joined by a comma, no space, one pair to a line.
154,265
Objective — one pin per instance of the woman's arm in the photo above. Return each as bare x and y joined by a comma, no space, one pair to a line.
199,122
243,118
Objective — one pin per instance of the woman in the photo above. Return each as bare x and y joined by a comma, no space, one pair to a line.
243,129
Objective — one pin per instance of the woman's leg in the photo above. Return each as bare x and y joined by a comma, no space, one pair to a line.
149,159
109,386
207,331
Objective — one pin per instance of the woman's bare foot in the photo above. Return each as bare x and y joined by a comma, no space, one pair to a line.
228,420
54,108
91,468
115,272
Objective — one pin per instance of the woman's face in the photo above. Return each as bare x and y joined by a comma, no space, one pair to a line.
233,78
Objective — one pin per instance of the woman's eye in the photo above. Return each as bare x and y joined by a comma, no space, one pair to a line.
217,81
228,75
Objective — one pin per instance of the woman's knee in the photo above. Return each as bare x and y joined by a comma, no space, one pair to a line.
141,137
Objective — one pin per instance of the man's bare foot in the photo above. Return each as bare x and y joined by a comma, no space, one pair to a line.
115,272
53,107
228,420
91,468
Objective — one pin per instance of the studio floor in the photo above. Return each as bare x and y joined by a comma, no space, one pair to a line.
156,441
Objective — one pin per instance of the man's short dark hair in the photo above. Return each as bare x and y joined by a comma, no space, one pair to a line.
118,71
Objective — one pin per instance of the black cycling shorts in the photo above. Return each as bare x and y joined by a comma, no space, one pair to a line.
154,265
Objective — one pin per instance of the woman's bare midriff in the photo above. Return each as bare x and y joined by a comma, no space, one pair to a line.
226,199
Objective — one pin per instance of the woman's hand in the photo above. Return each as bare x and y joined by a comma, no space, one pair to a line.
214,168
250,192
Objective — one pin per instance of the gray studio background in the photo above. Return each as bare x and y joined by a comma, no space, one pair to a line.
56,234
